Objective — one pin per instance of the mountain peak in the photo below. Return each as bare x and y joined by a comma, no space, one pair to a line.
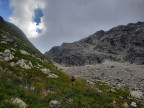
1,19
124,43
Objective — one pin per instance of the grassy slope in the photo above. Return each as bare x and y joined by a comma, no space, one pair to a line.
18,82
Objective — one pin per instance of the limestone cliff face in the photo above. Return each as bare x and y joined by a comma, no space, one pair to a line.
122,43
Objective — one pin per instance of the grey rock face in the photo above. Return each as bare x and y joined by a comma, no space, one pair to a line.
122,43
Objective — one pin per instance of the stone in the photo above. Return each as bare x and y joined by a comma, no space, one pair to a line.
133,104
114,102
32,88
7,56
121,97
7,51
3,42
112,90
24,52
24,64
9,40
12,64
20,102
45,70
125,105
29,62
4,37
55,104
90,82
69,101
46,92
137,94
13,49
52,75
40,60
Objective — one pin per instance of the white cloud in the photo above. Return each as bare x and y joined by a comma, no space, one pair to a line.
23,14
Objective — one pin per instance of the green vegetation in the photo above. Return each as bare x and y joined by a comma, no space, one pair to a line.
19,82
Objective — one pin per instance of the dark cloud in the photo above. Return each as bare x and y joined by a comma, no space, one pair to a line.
71,20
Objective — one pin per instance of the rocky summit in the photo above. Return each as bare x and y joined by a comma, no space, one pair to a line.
122,44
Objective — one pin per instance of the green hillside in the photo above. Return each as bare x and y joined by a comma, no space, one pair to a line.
28,79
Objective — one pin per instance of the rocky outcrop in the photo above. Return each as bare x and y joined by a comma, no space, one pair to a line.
122,43
7,55
23,64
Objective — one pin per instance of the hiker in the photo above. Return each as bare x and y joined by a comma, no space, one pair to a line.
72,80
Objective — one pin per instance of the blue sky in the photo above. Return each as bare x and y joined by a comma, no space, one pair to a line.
5,10
49,23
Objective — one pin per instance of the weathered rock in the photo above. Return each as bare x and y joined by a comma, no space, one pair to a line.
24,64
69,101
3,42
12,64
46,92
6,55
90,82
45,70
52,75
55,104
126,105
114,102
7,51
112,90
20,102
9,40
24,52
137,94
133,104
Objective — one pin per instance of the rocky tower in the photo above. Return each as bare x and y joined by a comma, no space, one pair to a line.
122,43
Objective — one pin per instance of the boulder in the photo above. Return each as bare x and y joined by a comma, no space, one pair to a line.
125,105
90,82
3,42
7,51
20,102
137,94
52,75
55,104
24,64
9,40
45,70
69,101
133,104
24,52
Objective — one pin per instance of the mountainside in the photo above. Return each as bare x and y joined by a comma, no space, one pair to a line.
122,43
29,80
